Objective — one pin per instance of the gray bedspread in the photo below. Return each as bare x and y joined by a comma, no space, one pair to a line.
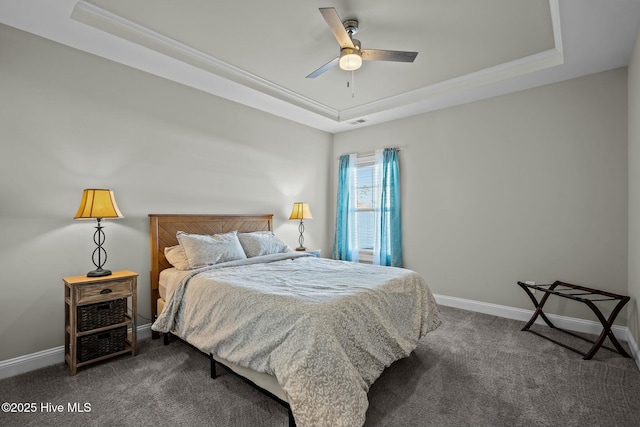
325,329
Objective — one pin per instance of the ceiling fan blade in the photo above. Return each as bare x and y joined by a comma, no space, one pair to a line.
337,28
324,68
388,55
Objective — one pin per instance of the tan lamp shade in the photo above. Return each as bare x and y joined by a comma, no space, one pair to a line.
300,211
98,203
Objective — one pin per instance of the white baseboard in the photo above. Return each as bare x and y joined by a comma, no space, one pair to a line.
635,352
30,362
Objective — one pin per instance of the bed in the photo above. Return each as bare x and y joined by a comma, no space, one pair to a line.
312,333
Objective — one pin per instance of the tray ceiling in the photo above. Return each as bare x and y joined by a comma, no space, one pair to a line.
258,53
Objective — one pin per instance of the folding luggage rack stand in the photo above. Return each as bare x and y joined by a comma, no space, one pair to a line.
584,295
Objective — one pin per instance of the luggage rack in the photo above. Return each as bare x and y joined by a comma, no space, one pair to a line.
584,295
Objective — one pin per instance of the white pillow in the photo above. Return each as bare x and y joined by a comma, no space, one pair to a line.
176,257
202,250
262,243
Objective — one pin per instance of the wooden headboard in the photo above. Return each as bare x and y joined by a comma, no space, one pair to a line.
163,229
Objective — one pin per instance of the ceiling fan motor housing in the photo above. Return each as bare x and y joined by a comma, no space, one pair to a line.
351,25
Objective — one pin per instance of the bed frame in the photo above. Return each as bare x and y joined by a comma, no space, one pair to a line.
162,231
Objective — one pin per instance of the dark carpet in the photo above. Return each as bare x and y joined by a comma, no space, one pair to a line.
475,370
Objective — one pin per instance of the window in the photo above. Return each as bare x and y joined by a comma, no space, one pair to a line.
368,219
365,207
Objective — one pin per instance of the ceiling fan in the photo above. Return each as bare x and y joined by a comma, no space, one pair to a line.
351,53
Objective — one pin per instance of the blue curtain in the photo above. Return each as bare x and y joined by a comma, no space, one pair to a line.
387,249
345,243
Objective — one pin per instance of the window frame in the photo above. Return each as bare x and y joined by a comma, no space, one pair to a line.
367,160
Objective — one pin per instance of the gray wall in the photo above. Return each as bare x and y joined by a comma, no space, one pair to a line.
69,121
634,192
526,186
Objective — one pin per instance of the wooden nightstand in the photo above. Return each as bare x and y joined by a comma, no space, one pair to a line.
100,318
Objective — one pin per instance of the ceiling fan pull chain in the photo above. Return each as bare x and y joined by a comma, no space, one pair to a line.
353,84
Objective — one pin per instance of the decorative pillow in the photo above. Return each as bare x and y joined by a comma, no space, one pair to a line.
202,250
176,257
262,243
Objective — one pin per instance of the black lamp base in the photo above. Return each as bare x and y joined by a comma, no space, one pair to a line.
99,273
301,248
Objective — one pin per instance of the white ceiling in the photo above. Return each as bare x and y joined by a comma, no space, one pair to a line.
258,53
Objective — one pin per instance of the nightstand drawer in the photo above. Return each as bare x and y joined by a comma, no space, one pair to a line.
104,291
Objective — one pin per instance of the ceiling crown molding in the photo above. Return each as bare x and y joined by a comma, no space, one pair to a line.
84,26
107,21
420,100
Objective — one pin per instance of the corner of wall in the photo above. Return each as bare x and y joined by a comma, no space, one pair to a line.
633,159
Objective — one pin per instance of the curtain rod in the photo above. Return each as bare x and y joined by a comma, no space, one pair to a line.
372,153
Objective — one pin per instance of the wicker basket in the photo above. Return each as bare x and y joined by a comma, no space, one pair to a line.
101,343
93,316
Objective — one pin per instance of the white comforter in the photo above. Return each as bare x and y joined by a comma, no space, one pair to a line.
325,329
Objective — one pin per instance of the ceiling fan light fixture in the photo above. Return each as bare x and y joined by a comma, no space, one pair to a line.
350,59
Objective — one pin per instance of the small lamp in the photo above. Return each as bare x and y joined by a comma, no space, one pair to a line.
301,211
99,204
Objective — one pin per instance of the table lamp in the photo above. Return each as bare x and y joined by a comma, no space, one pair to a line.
300,211
99,204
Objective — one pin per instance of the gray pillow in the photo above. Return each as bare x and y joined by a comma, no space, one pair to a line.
202,250
262,243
